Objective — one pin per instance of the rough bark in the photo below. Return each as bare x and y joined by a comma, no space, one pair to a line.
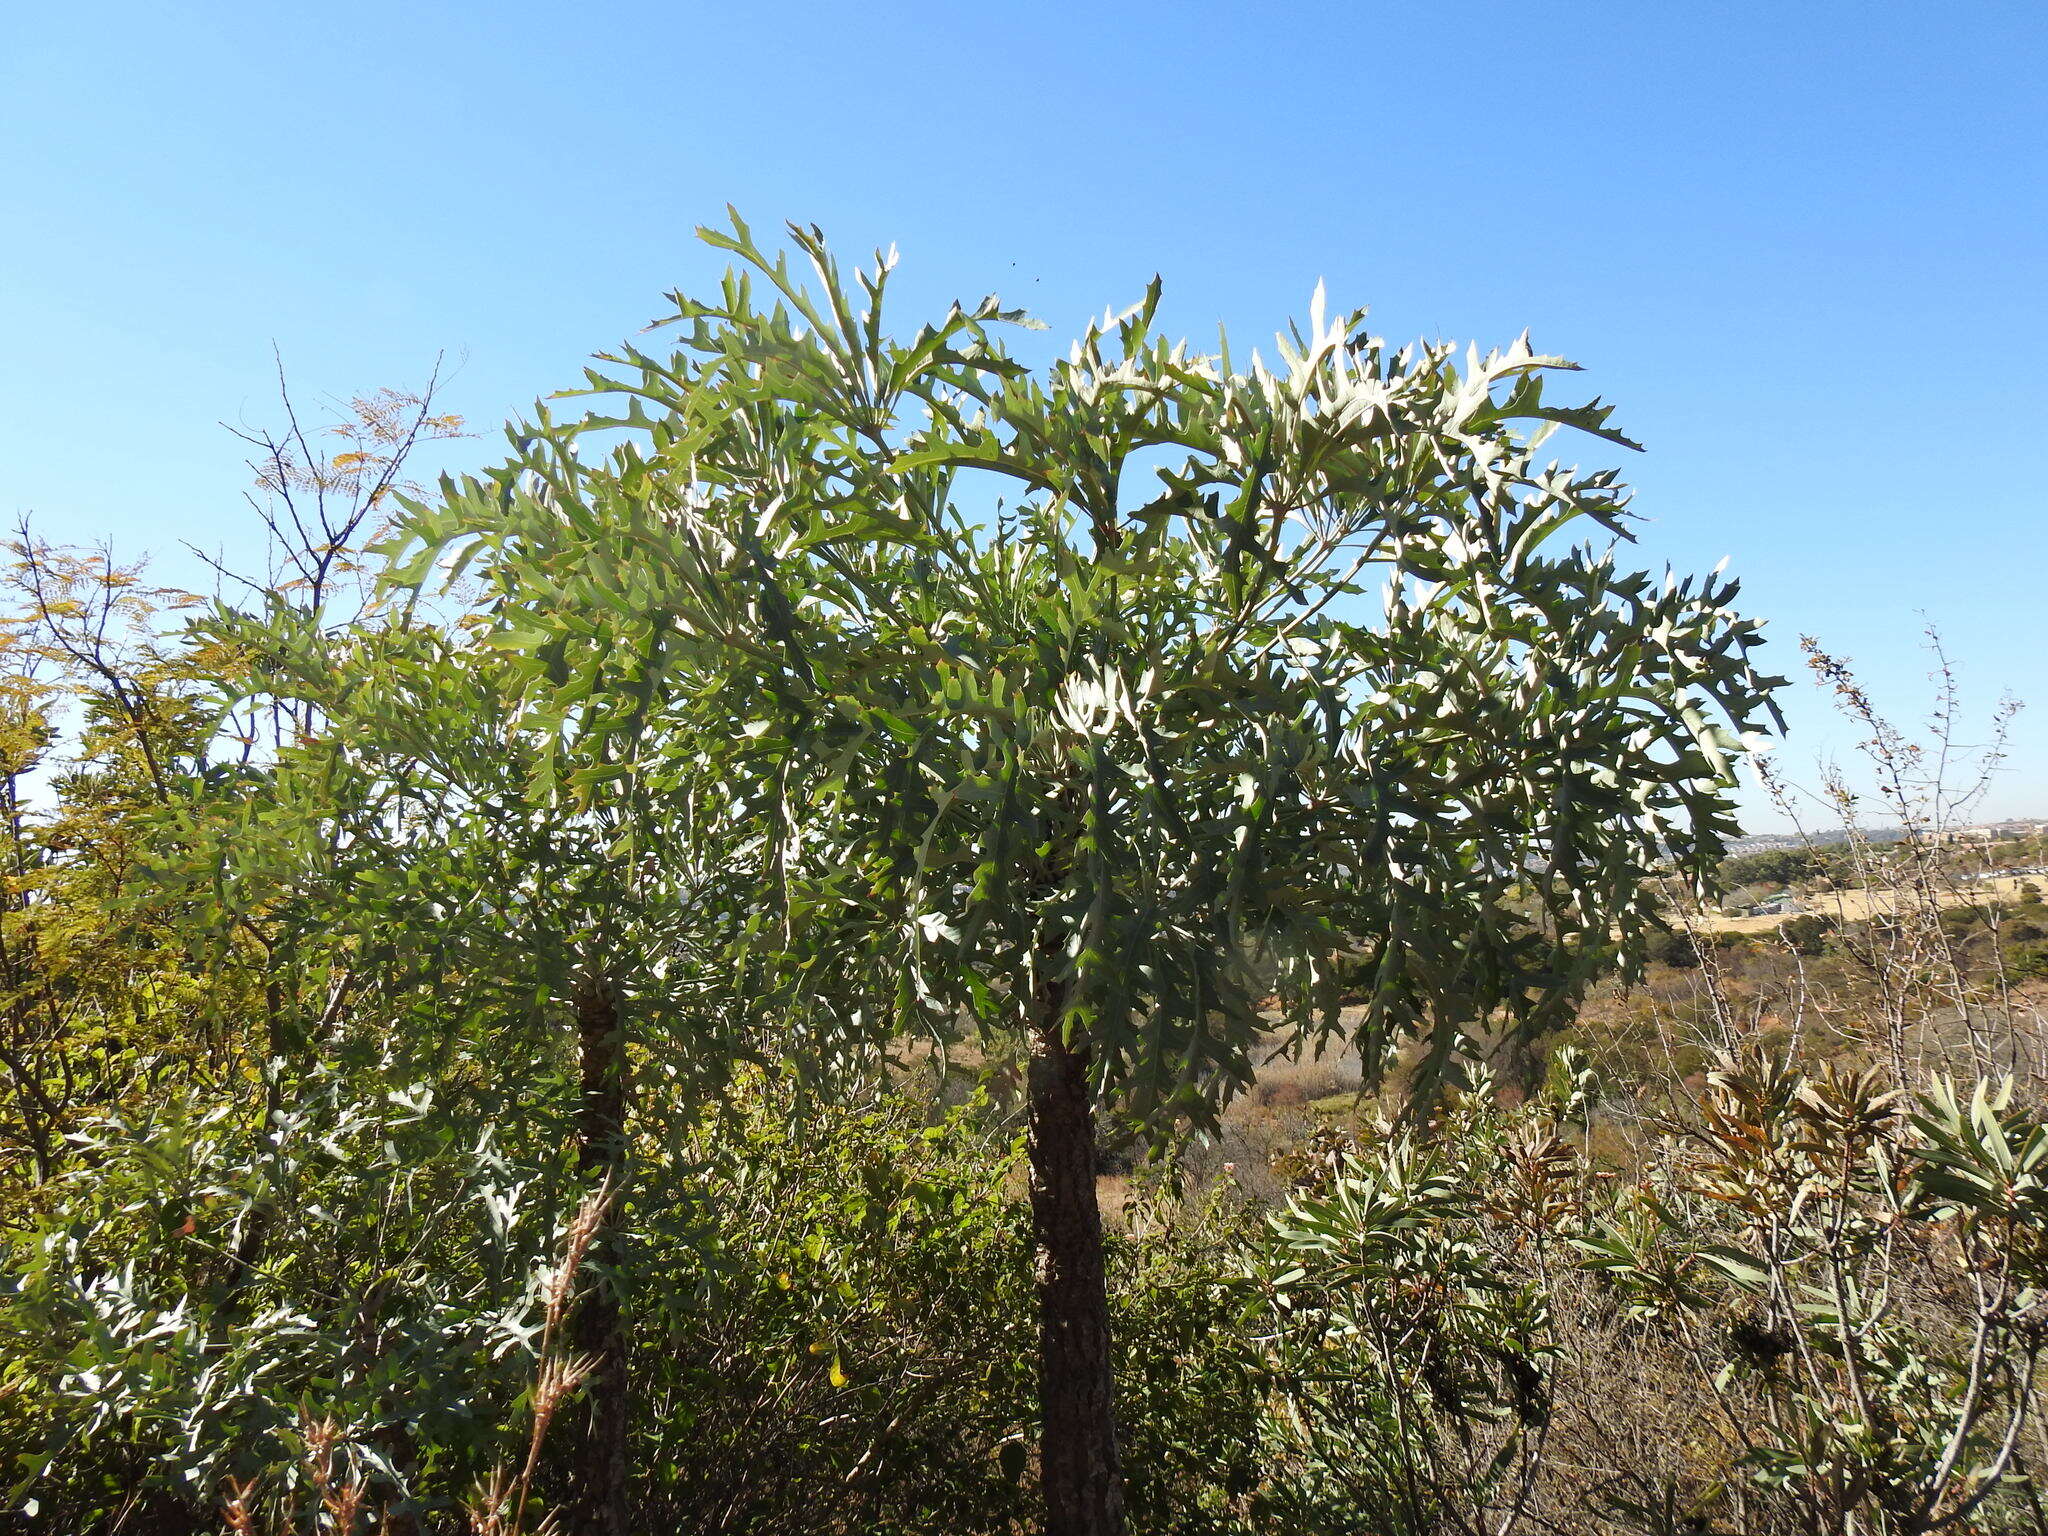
597,1458
1082,1482
1521,1061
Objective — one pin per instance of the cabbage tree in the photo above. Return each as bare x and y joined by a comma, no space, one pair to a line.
1118,708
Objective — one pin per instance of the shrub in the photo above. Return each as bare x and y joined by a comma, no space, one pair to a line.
397,1291
1680,950
1780,867
1409,1365
833,1302
1807,934
2027,961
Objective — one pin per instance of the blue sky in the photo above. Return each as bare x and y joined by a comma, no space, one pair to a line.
1802,246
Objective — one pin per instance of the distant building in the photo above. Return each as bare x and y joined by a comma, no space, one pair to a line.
1989,832
1784,904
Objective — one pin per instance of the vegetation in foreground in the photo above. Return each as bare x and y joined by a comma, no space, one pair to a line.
487,1049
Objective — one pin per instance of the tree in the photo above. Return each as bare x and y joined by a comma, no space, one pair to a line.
114,771
503,884
1807,933
336,808
1780,867
1261,667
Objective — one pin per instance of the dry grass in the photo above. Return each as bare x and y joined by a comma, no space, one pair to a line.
1855,906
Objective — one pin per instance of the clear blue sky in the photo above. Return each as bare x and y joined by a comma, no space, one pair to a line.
1803,246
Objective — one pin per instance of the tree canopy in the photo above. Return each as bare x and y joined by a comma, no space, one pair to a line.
1070,704
1283,657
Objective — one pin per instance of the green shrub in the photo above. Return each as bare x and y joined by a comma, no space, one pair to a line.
833,1303
1807,934
1966,921
2027,961
1680,950
1409,1365
197,1281
1781,867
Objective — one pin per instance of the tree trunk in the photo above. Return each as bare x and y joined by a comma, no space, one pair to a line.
597,1458
1521,1061
1077,1445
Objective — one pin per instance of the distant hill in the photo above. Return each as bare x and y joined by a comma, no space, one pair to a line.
1824,837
